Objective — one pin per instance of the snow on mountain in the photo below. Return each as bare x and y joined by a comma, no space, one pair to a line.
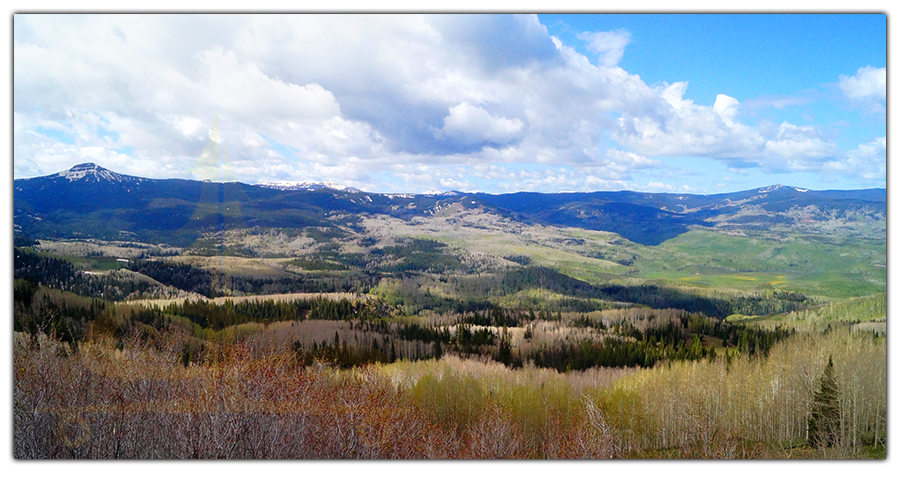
768,189
772,188
318,185
306,185
93,172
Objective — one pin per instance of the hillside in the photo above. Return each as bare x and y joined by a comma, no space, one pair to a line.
89,201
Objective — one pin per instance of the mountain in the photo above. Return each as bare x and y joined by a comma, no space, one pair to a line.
651,218
307,185
91,201
91,172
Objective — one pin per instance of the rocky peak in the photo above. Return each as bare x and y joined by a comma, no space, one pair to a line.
93,172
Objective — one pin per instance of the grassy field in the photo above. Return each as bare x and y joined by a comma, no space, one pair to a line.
806,264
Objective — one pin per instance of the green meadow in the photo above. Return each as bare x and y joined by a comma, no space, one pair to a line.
832,268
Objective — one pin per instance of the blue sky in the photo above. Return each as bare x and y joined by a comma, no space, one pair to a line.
694,103
742,55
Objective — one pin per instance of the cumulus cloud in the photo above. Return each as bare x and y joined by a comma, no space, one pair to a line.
868,88
474,125
681,127
727,108
386,102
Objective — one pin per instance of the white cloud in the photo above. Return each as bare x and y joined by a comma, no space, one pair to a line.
474,125
727,108
609,45
629,159
801,148
867,160
241,88
680,127
376,102
868,88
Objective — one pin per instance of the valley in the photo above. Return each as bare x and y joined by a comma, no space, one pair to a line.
497,325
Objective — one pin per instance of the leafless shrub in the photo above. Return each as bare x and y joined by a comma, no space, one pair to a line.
494,436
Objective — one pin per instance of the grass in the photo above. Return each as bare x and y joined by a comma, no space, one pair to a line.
860,313
96,263
834,268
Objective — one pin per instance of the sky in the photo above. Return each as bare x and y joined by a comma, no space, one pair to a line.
695,103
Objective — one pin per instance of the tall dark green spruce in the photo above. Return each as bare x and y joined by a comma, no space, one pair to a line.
825,418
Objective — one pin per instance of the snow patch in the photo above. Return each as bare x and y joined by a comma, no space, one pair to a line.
93,172
307,185
770,188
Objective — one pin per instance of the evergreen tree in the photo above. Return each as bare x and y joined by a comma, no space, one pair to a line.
824,420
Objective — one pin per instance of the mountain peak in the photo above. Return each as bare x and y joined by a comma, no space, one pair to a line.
767,189
86,167
92,172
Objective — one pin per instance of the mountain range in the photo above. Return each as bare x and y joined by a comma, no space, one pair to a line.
91,201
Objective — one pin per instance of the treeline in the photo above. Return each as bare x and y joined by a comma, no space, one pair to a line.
530,277
456,294
357,282
644,338
637,338
617,353
646,348
497,316
341,354
215,284
410,256
317,264
211,315
578,296
765,303
37,310
419,255
62,275
182,276
465,339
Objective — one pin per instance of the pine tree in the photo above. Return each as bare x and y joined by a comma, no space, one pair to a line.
825,418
